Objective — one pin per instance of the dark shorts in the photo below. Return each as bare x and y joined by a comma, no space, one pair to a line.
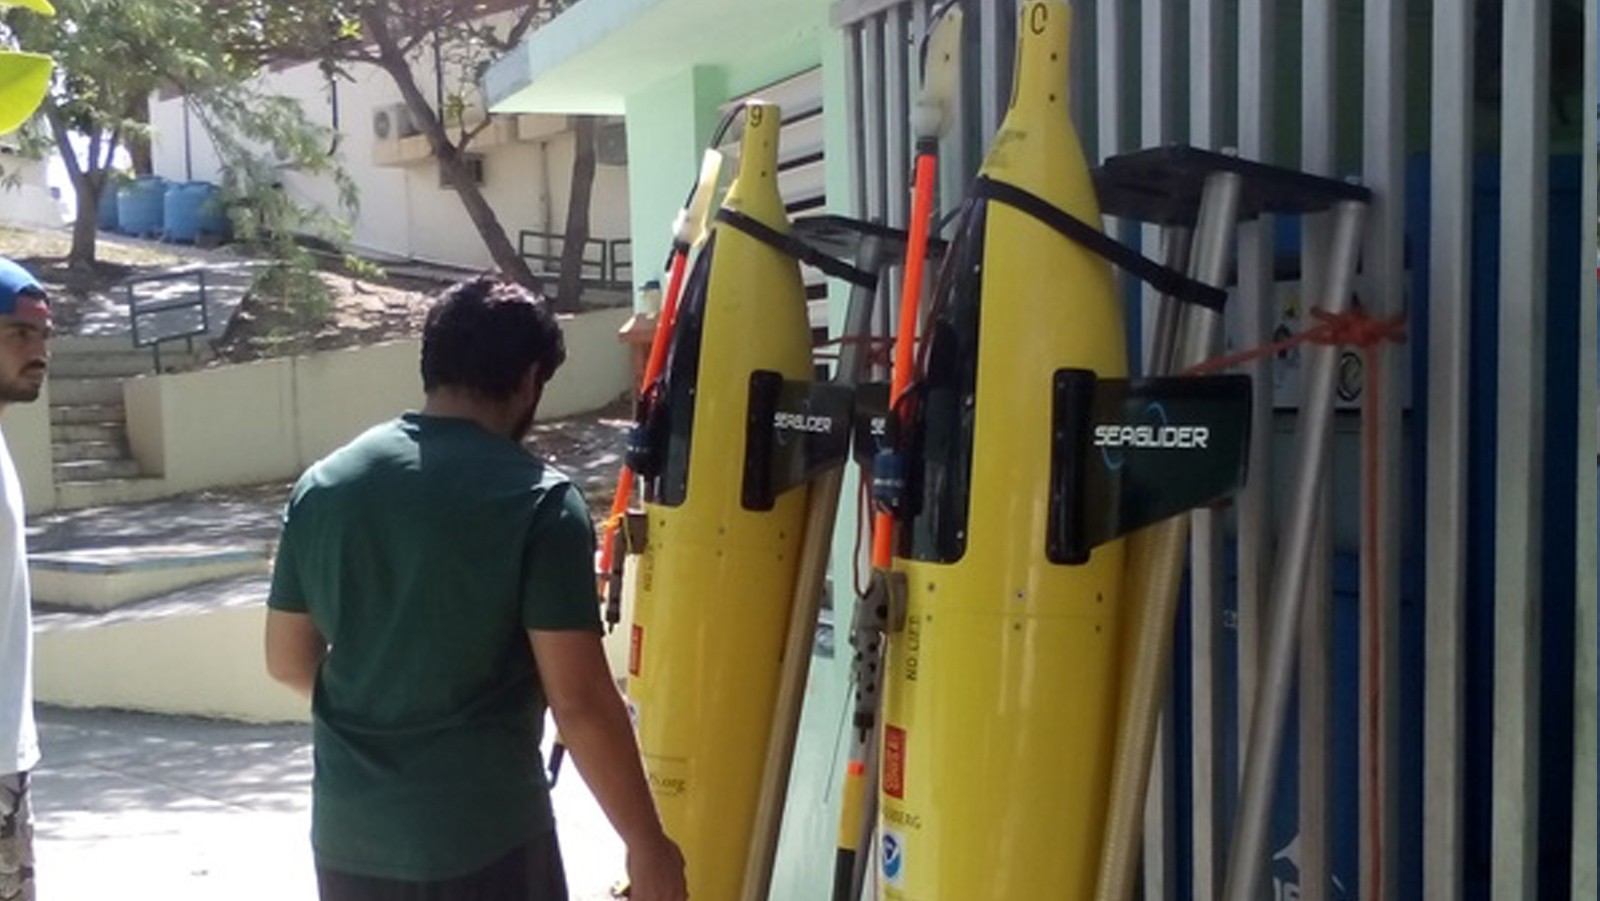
531,872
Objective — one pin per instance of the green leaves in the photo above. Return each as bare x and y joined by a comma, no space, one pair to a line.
24,80
24,77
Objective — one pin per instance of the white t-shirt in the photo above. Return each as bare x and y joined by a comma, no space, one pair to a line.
19,740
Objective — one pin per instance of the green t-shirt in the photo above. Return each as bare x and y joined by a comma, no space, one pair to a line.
423,551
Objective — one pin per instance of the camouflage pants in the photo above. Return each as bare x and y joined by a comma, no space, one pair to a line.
16,839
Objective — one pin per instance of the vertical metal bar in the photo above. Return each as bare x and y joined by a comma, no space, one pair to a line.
1449,348
1519,488
1160,862
1312,449
959,149
1319,88
899,88
1316,654
1108,75
1584,881
1084,103
1383,165
1254,315
993,87
1205,74
1160,859
1209,258
1158,41
875,87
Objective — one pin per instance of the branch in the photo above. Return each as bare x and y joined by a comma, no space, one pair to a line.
518,29
467,134
59,131
111,149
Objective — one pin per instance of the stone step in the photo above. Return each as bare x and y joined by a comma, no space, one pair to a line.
77,451
66,433
107,577
67,392
86,413
106,492
118,364
95,470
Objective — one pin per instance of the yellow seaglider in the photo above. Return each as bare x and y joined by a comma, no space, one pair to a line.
716,579
1000,692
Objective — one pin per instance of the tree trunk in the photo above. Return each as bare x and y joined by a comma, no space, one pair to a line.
86,226
569,293
493,234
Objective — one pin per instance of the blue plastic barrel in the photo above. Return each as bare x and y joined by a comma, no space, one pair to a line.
181,212
212,214
106,210
141,206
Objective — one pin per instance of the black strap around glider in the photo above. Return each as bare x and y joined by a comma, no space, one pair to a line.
793,247
1165,279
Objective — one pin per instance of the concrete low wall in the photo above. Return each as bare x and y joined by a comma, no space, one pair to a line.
211,663
269,420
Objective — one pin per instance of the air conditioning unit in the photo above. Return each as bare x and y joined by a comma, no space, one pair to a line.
393,121
611,144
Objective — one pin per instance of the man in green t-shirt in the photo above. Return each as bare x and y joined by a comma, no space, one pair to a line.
433,593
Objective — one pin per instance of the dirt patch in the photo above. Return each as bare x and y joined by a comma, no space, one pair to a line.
358,312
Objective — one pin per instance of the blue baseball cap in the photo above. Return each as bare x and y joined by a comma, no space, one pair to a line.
16,282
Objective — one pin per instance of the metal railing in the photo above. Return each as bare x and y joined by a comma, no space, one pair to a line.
607,262
168,315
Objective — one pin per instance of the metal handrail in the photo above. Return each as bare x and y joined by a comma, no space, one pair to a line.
610,270
144,307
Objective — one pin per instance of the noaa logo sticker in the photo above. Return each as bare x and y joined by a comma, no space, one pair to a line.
894,860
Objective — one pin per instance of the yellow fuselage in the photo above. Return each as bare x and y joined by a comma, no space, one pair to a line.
1000,692
715,579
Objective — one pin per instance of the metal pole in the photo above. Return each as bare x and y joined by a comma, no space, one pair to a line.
1254,313
1319,27
1449,349
1248,853
1584,880
1206,97
1519,488
1383,165
1161,802
1316,701
1202,329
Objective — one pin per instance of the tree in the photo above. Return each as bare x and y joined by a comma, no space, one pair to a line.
111,55
570,287
459,39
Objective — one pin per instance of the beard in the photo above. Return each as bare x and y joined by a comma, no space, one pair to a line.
19,390
519,431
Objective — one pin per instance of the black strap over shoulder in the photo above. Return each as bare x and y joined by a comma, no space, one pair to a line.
1163,278
793,247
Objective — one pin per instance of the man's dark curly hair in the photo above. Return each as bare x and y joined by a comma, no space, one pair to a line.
482,334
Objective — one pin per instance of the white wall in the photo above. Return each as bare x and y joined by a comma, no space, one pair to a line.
29,201
403,212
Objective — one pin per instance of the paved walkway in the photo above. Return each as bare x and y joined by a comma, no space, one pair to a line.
137,806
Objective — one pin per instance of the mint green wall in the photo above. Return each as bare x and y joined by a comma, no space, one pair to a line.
668,126
669,123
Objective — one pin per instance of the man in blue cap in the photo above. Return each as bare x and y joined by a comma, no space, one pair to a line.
25,331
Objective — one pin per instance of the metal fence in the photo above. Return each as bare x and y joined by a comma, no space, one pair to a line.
1324,86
